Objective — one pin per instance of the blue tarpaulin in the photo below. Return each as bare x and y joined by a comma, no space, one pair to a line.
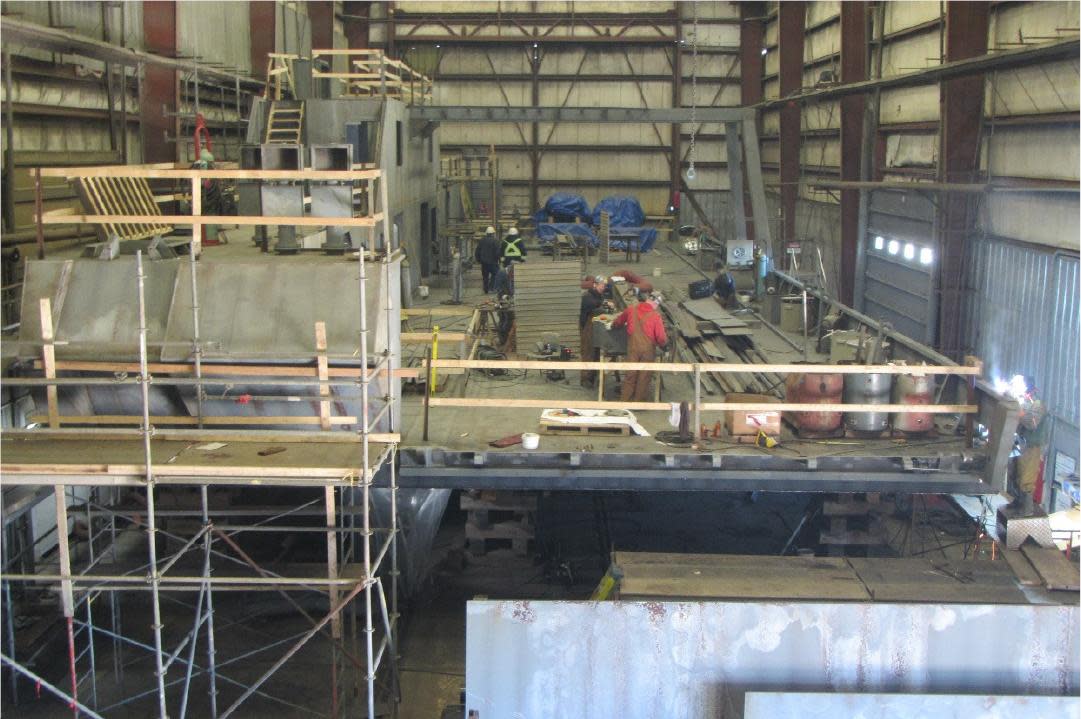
547,231
623,211
564,207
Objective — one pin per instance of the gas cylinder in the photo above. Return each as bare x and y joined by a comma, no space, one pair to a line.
814,389
867,389
913,389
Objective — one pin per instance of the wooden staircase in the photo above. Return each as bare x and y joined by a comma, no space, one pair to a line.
285,123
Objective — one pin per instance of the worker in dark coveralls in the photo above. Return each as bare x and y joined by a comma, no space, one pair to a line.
488,254
593,304
645,334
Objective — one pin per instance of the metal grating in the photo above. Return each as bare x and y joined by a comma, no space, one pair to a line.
547,296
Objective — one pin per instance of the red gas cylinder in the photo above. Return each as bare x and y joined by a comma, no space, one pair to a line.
815,389
913,389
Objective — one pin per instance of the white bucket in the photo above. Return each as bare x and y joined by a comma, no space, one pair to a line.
422,290
530,440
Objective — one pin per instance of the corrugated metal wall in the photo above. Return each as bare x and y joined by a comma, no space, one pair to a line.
1024,317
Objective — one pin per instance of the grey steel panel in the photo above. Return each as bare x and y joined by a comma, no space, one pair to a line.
332,200
437,113
95,304
684,660
1063,371
268,310
807,705
282,200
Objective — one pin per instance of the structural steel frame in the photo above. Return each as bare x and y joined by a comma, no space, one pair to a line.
344,495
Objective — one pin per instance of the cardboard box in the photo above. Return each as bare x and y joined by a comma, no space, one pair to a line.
742,423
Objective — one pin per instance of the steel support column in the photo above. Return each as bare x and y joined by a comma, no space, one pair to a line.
751,66
790,20
853,69
262,29
159,101
961,120
321,15
355,23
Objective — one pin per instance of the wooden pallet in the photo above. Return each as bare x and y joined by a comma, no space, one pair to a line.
604,429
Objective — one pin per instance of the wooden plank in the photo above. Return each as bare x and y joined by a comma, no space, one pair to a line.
322,373
546,403
221,370
48,352
715,367
922,580
156,172
1022,568
1055,570
108,419
705,576
246,220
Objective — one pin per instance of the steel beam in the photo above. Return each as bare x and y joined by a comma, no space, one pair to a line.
1035,54
666,115
160,97
752,65
791,18
959,162
854,19
640,480
40,37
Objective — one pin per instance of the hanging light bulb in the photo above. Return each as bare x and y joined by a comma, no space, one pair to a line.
691,174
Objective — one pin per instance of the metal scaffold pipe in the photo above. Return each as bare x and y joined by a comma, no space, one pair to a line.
151,522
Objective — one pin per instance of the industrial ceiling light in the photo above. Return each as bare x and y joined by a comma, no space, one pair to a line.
880,242
764,51
910,251
927,255
893,247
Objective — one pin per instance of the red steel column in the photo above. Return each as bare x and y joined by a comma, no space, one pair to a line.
356,28
790,19
161,86
752,34
321,14
261,26
961,102
853,69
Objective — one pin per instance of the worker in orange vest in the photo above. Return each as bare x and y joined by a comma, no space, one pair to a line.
645,333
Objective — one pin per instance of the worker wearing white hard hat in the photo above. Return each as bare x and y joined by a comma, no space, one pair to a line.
488,254
513,247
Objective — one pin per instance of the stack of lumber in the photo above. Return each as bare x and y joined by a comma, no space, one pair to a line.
547,299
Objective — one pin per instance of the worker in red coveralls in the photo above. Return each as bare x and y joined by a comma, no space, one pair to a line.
645,333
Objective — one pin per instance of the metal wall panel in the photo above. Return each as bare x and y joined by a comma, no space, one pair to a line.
897,289
698,659
1023,316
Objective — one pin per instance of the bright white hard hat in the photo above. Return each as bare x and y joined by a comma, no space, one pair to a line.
490,230
513,232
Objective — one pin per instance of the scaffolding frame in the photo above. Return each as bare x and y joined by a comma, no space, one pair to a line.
347,503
